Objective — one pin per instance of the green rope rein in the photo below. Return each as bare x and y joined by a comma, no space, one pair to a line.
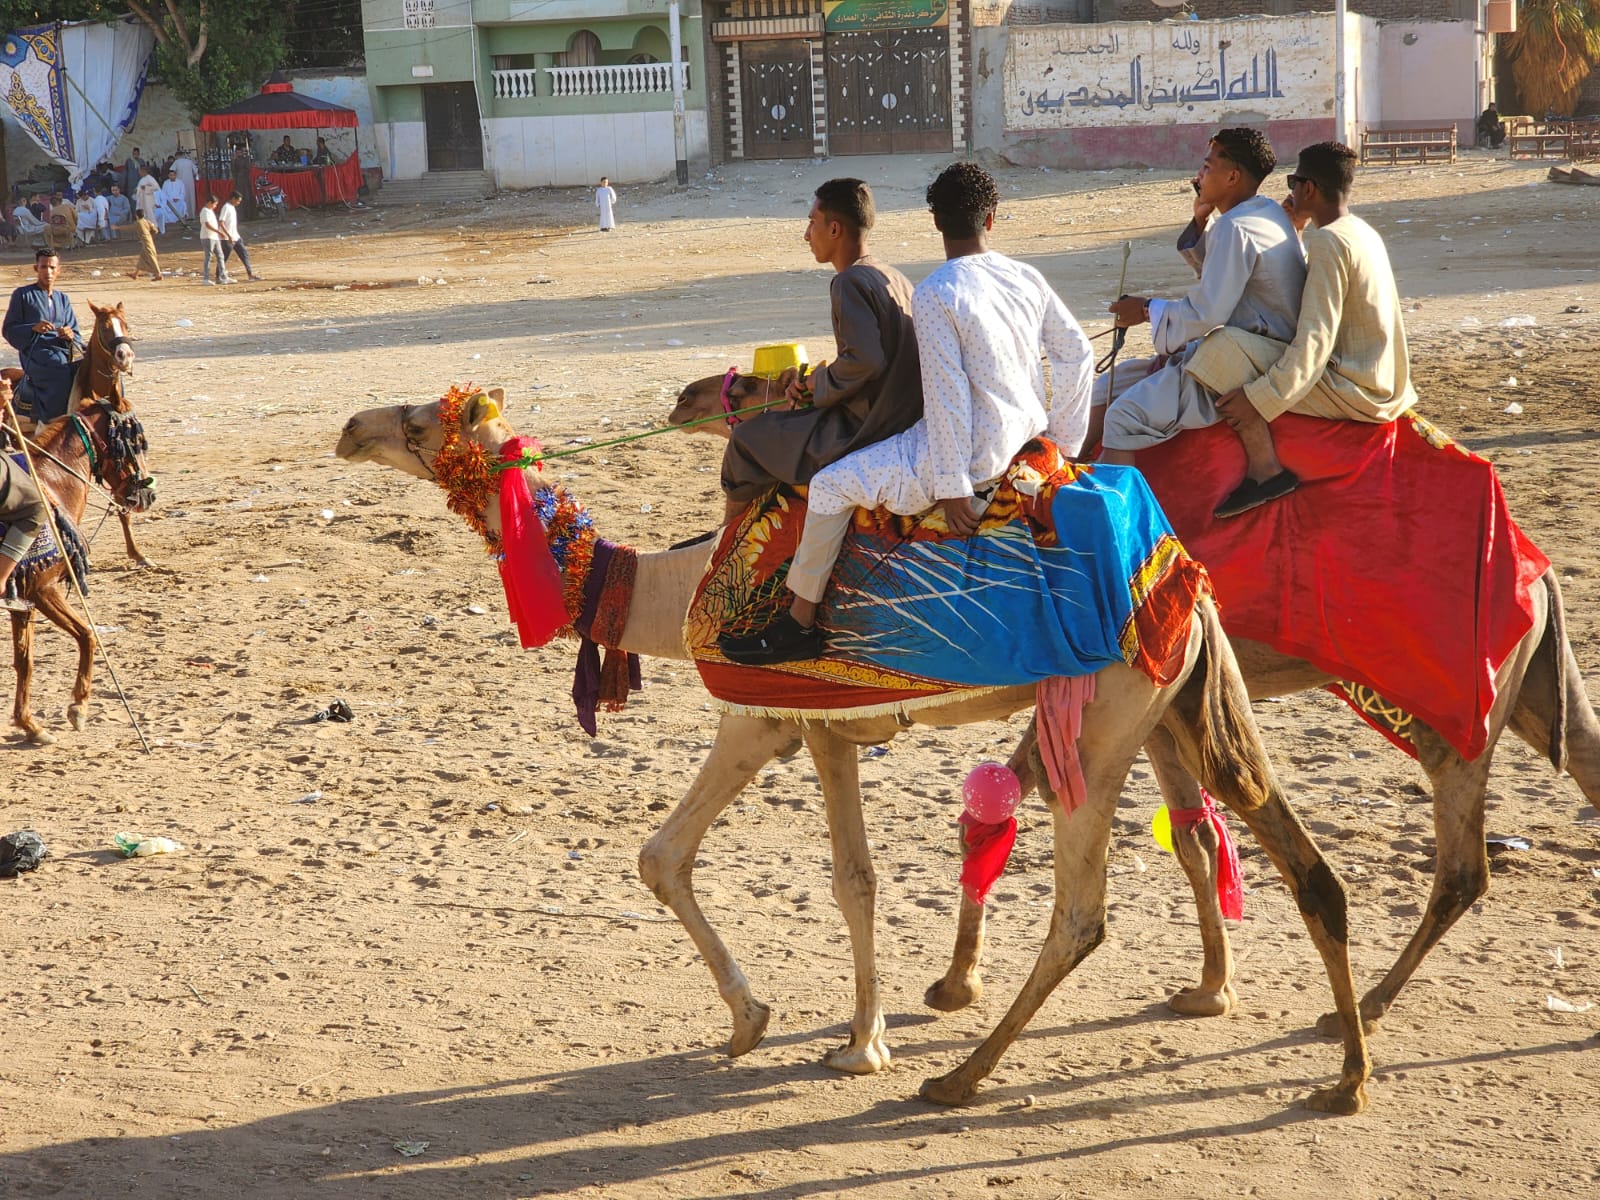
529,460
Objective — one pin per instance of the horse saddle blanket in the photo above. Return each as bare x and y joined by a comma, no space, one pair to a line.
45,553
1395,567
1075,568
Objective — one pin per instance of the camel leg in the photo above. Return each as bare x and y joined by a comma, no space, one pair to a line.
855,890
136,554
1214,735
52,603
22,661
1077,921
666,863
1552,710
1461,872
1196,846
962,983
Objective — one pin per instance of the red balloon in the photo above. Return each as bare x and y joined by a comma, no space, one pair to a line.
991,793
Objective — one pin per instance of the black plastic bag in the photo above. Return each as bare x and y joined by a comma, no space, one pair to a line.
20,852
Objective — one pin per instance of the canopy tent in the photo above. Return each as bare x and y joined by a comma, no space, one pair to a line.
279,106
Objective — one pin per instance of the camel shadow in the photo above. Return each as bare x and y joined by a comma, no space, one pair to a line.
613,1124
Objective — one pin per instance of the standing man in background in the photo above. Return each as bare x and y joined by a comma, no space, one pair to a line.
232,243
604,197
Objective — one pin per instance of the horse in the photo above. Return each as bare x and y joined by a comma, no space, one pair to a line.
99,442
108,356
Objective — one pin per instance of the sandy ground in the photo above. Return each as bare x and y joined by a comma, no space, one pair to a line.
427,927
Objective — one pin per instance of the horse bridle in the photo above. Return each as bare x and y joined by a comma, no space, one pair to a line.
412,444
111,347
122,445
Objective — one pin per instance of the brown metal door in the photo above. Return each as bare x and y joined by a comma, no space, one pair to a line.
775,81
889,92
455,137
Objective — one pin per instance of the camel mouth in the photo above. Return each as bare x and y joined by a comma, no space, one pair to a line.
352,448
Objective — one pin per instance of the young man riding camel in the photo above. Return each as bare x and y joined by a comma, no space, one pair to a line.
982,321
1251,277
1348,360
873,386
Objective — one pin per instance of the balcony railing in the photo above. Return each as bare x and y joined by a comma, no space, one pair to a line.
515,84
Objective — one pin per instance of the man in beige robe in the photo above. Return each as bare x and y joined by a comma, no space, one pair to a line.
1348,359
872,388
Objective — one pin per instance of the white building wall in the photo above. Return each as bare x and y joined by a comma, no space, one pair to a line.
402,149
1428,73
571,151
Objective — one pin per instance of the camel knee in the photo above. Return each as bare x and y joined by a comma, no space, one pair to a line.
854,886
659,867
1456,891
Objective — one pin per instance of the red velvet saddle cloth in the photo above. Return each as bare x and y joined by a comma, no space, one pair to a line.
1395,567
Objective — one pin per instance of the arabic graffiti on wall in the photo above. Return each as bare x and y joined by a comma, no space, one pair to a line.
1168,73
842,15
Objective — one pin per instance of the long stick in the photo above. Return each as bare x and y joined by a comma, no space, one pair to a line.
77,587
1122,282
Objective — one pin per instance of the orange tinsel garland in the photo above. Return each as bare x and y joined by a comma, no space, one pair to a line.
462,467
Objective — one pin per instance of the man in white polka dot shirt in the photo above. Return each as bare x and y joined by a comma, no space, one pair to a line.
983,322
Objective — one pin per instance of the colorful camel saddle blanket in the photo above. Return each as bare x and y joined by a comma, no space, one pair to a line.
1395,567
1073,569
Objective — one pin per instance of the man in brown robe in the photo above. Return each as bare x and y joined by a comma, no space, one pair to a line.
872,388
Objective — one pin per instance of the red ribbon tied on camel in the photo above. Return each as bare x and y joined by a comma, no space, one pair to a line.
528,570
986,848
1230,884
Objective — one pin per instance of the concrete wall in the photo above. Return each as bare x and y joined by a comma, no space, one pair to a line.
1427,76
570,151
1150,94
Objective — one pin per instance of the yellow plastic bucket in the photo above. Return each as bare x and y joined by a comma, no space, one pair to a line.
772,361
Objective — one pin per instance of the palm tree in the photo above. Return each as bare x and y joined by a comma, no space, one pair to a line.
1556,45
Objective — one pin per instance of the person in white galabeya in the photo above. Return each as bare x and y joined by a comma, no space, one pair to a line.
605,197
232,241
983,322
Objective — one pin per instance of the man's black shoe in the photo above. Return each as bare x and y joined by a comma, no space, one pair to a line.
1251,494
784,640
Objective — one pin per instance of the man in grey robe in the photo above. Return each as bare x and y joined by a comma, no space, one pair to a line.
1252,272
872,388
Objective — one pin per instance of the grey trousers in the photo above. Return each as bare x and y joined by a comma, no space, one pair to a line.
21,508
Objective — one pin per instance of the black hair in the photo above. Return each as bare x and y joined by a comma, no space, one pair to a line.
1247,149
960,198
848,201
43,252
1329,165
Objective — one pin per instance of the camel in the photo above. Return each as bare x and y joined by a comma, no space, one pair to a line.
1203,716
1539,696
99,442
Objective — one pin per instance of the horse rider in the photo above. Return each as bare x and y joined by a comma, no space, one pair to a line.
41,326
21,511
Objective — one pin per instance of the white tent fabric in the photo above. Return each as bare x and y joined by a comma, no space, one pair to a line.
75,89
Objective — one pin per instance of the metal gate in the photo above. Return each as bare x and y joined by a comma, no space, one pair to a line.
889,92
455,136
775,80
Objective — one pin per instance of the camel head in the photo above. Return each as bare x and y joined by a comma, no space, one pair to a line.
717,395
406,437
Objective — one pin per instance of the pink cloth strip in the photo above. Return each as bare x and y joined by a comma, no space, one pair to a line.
1230,882
1060,721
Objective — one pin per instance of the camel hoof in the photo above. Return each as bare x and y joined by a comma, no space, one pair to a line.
78,716
858,1060
749,1029
952,995
1338,1101
947,1089
40,737
1204,1002
1331,1025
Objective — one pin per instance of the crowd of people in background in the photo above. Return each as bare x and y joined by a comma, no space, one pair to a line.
142,199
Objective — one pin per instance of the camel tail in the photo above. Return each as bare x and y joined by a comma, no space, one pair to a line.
1553,648
1231,755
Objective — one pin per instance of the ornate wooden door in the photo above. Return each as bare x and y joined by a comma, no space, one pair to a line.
775,82
889,92
455,136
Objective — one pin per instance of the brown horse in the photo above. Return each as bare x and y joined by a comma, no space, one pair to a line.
99,442
108,356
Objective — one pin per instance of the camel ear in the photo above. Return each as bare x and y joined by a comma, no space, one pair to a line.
480,409
498,395
790,374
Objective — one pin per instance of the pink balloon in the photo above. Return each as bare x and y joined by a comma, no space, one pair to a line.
992,792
